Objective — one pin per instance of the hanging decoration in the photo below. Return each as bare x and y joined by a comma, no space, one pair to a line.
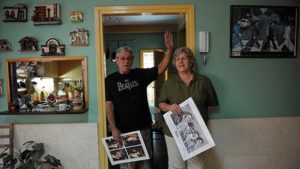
17,13
28,44
53,48
5,45
76,16
47,15
79,37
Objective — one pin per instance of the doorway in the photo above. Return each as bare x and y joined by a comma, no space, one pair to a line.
100,13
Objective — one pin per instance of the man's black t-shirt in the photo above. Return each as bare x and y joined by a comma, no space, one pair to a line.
128,92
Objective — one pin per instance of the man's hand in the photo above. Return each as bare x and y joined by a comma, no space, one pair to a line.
165,61
116,134
168,40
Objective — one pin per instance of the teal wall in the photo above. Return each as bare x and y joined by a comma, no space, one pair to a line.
245,87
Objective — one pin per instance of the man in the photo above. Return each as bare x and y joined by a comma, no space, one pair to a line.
126,97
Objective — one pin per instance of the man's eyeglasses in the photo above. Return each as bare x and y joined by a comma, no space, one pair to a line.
123,59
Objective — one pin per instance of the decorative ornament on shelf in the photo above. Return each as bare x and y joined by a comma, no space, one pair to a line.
47,15
17,13
28,44
53,48
76,16
5,45
79,37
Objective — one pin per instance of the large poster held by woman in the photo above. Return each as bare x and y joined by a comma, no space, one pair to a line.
189,130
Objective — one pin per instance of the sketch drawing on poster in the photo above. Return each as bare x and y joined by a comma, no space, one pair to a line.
189,130
263,31
132,148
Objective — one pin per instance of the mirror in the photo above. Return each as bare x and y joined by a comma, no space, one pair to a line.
47,85
104,31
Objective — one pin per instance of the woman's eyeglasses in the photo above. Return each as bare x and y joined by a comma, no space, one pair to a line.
181,58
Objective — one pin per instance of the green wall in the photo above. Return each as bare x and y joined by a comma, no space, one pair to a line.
245,87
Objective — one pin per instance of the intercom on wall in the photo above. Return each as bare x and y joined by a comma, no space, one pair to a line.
203,41
204,44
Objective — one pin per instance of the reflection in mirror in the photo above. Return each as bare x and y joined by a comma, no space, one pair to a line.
47,85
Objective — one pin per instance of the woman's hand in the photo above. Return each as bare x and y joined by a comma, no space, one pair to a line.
174,108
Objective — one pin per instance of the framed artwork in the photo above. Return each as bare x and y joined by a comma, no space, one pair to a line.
132,148
47,15
17,13
263,31
189,130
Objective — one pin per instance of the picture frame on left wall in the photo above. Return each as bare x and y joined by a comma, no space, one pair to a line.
47,15
16,13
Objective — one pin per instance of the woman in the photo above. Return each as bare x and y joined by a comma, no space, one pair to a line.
187,83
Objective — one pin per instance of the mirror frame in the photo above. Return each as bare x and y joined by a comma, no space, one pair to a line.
186,9
83,60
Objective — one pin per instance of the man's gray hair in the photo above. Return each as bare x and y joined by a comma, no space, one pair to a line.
123,49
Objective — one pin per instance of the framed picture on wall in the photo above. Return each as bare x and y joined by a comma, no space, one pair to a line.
263,31
16,13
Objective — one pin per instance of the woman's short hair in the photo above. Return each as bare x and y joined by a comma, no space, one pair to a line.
190,55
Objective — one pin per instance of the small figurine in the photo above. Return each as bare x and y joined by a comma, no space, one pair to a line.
51,99
76,94
77,101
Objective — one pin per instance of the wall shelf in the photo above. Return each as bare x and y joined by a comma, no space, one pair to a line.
7,112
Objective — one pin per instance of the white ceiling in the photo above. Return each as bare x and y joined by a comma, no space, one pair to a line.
143,19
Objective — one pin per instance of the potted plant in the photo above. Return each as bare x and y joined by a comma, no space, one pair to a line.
30,158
